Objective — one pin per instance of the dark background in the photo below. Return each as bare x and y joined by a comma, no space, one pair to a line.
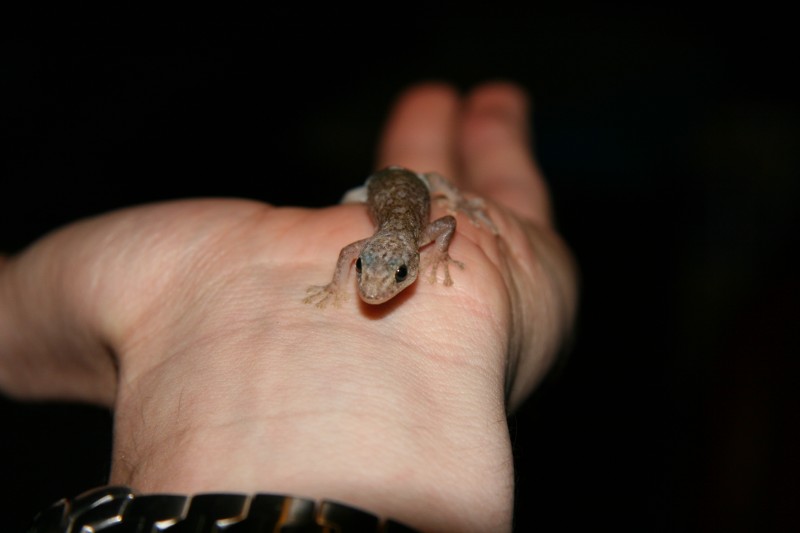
670,141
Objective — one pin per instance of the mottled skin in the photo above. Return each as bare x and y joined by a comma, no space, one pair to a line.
399,201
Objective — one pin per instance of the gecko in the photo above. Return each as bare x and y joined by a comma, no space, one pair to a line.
399,202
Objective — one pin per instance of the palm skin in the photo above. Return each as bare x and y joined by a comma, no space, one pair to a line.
187,318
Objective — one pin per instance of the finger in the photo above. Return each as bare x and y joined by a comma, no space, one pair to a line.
420,132
496,154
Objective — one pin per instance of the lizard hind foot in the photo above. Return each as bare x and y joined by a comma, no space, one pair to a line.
474,208
448,195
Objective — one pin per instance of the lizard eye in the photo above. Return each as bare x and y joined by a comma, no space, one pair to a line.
358,265
401,273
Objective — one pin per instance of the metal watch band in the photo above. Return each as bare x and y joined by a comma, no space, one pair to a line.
118,509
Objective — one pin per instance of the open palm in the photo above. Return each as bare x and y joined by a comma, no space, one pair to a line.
188,319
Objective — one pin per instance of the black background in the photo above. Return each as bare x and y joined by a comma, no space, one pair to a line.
670,141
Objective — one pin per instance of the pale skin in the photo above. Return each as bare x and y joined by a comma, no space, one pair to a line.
186,318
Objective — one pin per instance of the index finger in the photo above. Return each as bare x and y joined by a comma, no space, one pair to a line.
497,159
420,132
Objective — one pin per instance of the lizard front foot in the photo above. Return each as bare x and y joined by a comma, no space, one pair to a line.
443,259
320,295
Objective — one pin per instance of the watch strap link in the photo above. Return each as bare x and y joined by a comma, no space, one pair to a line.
117,509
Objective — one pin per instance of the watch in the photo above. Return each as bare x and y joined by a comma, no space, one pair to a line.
117,509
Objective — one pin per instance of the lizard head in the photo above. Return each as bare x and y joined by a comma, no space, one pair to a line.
384,268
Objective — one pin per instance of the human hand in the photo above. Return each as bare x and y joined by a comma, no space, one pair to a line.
187,318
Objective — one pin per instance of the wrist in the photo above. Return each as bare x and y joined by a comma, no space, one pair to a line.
115,508
396,432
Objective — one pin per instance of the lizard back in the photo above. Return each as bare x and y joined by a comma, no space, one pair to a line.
399,201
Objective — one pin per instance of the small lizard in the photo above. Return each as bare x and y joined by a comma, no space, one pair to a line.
399,202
